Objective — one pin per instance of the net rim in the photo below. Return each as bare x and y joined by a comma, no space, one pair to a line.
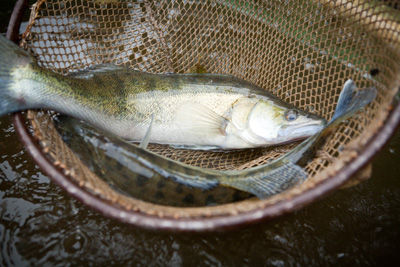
213,222
199,223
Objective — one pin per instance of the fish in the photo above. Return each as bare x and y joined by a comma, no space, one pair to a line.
112,159
261,181
194,111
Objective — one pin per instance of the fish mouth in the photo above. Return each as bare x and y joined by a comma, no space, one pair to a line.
301,130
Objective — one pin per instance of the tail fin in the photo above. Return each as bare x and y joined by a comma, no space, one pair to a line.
269,183
285,172
351,100
11,56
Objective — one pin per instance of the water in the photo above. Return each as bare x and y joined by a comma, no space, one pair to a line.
40,223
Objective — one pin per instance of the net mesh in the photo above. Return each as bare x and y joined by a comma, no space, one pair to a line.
301,51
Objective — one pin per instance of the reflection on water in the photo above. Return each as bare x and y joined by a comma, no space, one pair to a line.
40,223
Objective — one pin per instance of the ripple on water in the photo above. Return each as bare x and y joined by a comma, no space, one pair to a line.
40,224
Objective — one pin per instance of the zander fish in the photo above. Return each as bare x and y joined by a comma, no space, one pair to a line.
115,161
201,111
262,181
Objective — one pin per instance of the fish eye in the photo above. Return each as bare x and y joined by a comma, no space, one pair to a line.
291,115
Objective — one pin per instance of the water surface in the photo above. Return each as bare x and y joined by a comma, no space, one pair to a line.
40,223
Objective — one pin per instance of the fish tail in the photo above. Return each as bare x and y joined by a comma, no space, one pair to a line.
284,173
11,58
266,184
351,100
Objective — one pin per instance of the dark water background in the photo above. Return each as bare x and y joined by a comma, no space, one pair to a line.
40,224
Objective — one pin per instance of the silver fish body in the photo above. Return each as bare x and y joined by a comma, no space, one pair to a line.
211,111
193,110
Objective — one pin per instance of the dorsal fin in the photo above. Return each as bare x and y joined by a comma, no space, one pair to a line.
101,68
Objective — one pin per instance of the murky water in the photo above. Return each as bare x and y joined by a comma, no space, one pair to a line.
40,224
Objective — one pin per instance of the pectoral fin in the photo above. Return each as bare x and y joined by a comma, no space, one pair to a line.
198,118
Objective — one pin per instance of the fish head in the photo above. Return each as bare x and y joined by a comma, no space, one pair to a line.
272,123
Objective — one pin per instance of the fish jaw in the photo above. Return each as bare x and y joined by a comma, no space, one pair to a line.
247,139
301,130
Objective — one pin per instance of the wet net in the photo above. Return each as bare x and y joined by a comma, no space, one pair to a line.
300,51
